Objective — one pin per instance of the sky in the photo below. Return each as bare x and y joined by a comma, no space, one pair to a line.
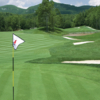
27,3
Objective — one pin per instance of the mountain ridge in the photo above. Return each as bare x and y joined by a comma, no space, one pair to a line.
63,8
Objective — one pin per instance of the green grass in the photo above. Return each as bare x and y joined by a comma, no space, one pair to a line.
82,29
92,37
39,73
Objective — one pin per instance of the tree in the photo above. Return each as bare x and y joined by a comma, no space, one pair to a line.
2,23
79,19
46,13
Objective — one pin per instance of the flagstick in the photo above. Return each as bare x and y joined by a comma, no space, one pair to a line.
13,69
14,46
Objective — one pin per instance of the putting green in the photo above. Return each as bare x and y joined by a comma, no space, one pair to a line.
43,81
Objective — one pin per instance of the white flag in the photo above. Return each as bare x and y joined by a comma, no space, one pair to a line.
16,41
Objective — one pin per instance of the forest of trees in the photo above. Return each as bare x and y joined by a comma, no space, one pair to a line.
46,16
90,18
49,17
13,22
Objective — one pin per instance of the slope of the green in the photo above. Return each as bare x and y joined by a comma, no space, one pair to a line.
80,29
44,81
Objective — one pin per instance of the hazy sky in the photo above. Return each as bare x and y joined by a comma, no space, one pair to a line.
28,3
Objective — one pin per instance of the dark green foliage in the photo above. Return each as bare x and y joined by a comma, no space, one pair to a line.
50,17
70,9
2,23
67,21
13,22
46,13
10,28
90,17
79,20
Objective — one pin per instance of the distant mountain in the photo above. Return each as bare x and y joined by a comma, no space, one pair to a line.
63,8
32,9
12,9
70,9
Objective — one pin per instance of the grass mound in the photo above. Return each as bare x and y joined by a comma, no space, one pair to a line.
80,29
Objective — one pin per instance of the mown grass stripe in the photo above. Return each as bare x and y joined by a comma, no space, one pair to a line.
3,80
23,91
80,91
1,71
93,89
17,72
7,92
64,88
38,89
50,87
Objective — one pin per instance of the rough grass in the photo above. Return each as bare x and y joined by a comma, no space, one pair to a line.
39,75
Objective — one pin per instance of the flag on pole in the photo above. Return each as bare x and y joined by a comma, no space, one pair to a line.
16,41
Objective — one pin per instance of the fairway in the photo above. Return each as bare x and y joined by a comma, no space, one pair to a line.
39,73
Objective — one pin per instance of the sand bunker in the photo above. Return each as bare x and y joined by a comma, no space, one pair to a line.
79,43
83,62
70,38
79,34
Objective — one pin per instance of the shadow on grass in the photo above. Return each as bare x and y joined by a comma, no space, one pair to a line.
54,60
50,60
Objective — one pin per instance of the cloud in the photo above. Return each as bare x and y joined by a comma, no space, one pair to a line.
3,2
94,2
58,1
24,3
79,4
18,3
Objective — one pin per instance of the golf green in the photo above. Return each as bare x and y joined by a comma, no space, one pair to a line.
36,79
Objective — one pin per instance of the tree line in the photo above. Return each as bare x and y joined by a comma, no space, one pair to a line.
49,17
46,16
89,17
13,22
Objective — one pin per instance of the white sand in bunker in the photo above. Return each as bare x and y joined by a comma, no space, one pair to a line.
79,43
70,38
79,34
83,62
